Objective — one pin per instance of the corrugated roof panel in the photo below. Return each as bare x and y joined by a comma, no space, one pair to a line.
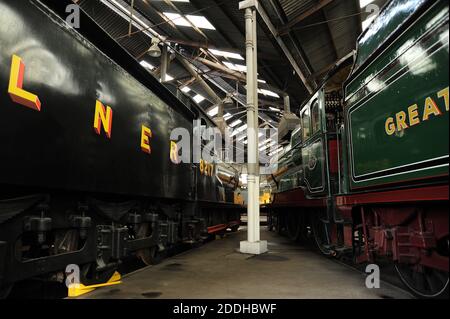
343,25
293,8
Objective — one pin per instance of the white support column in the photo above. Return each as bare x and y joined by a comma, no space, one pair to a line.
164,63
253,245
287,104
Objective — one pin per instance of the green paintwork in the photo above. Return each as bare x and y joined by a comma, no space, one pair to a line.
396,13
394,52
305,163
296,137
413,68
314,165
313,151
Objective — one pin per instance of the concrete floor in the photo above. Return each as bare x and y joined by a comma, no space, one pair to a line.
217,270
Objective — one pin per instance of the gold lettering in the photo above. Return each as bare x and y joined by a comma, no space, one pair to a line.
430,108
103,118
390,126
444,94
146,135
413,115
401,121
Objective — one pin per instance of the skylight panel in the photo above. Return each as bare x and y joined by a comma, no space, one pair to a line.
200,22
236,67
365,3
177,19
242,128
198,98
227,116
190,20
267,141
226,54
235,123
276,152
239,130
169,78
214,111
267,146
274,109
186,89
268,93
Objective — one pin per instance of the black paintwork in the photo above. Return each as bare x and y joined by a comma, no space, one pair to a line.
57,153
57,147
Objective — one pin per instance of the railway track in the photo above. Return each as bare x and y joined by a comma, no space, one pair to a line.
41,289
37,288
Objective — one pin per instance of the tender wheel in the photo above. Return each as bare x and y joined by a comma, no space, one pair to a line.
151,256
293,226
278,224
423,281
321,233
270,221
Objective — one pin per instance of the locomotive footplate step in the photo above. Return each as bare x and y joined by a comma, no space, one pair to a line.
215,270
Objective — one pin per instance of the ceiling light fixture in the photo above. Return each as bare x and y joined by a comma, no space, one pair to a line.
154,50
228,101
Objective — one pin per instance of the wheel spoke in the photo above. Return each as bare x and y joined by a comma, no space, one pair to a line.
427,283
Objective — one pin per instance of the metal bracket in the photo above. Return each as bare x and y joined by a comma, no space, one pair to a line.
248,4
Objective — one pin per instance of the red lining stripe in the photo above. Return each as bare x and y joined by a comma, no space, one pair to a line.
432,193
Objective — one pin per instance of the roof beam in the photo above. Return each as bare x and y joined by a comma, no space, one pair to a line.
213,96
238,75
285,49
330,32
287,27
173,6
266,72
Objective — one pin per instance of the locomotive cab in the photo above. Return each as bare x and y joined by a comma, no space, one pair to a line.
312,159
322,119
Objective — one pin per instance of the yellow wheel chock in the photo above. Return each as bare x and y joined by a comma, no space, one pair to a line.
76,290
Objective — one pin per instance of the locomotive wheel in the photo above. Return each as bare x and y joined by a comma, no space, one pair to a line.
293,226
151,256
5,291
278,225
321,233
423,281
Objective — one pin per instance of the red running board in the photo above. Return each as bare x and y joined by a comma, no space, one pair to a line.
222,227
